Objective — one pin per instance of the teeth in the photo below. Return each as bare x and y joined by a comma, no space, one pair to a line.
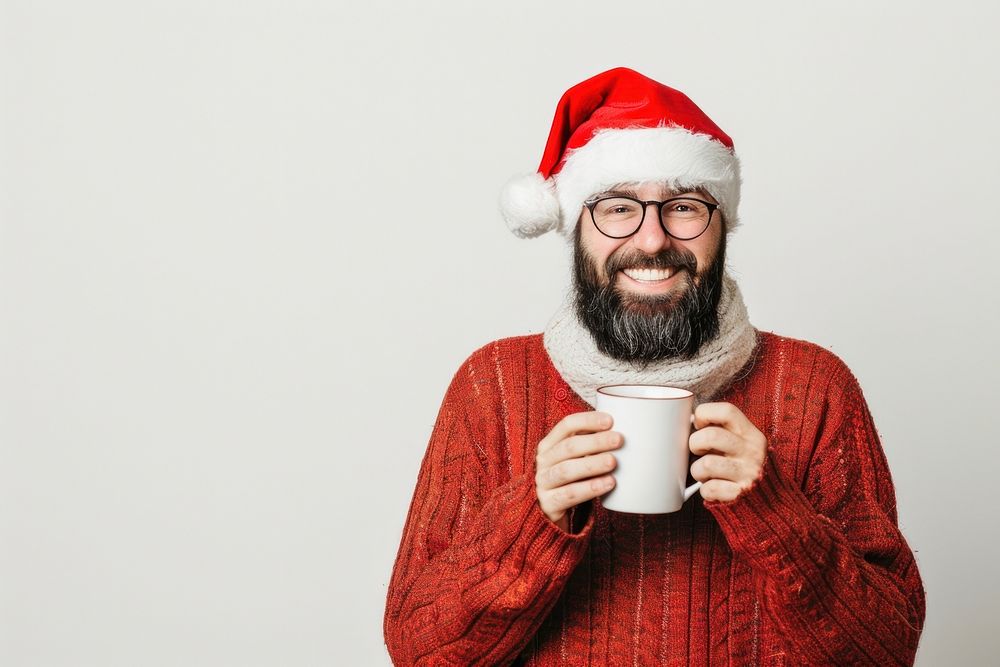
648,275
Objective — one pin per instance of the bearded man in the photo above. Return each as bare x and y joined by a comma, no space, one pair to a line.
791,554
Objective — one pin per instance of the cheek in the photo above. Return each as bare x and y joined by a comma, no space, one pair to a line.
600,256
599,249
709,250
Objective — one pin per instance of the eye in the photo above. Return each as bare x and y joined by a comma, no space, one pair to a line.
686,209
616,207
681,207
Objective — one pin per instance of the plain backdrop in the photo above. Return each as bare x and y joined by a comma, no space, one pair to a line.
245,245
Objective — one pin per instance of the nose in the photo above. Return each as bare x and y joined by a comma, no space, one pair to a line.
651,237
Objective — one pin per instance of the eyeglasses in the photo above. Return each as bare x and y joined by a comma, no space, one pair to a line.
682,218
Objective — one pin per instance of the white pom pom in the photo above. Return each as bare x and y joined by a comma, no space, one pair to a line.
529,205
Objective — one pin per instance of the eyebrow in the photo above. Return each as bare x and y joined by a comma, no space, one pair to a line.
616,191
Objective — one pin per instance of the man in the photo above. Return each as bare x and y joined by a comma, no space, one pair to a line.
790,556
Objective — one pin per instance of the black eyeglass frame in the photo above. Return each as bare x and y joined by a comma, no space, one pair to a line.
590,204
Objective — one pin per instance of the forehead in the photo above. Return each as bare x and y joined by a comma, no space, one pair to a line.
661,189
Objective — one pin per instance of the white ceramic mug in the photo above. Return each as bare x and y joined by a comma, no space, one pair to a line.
655,422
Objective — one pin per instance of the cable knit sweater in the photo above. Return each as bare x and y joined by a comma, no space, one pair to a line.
807,567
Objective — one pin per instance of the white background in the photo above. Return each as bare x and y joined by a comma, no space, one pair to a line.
245,245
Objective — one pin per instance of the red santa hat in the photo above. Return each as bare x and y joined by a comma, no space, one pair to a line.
621,127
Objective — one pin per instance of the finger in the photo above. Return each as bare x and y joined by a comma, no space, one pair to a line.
725,415
713,466
577,446
578,422
555,501
714,439
572,470
720,489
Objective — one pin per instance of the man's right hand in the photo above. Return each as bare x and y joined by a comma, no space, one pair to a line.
573,463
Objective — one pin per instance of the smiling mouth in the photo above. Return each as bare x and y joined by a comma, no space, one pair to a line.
649,276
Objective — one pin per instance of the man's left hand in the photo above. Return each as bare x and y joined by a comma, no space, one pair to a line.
732,451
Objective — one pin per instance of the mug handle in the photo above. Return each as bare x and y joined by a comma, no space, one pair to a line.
691,490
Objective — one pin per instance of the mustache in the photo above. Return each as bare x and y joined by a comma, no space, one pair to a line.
670,258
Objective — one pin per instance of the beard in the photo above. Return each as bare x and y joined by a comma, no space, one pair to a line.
643,328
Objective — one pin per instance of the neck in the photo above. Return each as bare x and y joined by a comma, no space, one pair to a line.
716,364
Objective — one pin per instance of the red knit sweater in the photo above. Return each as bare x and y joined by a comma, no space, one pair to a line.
807,567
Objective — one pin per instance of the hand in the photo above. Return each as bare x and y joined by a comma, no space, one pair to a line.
732,451
572,463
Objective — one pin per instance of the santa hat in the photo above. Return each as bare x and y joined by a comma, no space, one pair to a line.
621,127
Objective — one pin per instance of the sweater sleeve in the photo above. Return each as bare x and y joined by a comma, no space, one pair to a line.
479,565
833,571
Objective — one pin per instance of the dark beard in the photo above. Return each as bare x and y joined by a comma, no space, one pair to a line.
641,328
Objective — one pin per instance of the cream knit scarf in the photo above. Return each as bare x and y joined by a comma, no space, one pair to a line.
585,368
